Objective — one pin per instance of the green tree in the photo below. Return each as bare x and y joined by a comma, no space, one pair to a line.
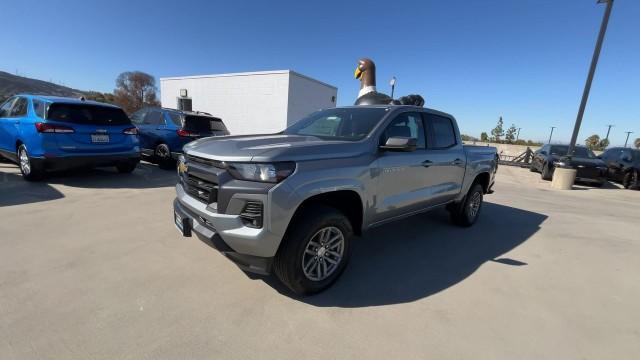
511,134
498,131
603,144
592,142
484,137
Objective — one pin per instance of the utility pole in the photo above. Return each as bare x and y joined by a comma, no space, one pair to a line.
592,70
518,135
626,141
550,135
608,131
392,82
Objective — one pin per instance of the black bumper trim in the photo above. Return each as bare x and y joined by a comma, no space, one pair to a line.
249,263
59,163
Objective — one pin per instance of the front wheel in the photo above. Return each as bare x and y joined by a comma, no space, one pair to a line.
631,180
29,170
315,250
466,213
547,172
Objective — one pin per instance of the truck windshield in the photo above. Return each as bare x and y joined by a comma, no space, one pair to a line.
350,124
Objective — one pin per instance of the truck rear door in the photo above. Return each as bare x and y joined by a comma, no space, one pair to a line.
446,155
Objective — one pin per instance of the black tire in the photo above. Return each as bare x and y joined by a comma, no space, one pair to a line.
127,167
547,172
532,168
463,213
307,226
29,170
631,179
162,155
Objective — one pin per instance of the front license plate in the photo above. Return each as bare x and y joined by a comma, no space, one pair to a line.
99,138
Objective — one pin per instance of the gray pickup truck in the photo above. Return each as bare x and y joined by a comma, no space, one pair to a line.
292,202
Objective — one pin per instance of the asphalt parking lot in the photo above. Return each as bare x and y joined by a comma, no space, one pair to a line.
91,267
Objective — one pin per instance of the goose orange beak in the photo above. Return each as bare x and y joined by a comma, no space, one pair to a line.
357,73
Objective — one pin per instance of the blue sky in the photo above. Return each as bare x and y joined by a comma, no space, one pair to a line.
526,60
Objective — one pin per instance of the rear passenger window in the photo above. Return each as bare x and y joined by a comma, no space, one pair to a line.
442,133
19,108
137,117
153,118
408,125
39,108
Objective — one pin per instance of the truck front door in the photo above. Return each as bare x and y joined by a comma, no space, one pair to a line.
406,181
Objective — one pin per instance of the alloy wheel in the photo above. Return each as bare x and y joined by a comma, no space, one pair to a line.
25,164
474,204
323,253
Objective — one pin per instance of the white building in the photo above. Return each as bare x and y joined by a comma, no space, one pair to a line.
250,103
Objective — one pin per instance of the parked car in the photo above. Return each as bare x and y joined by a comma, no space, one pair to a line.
589,168
43,133
623,166
292,202
163,132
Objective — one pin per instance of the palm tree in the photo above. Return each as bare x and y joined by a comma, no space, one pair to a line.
637,143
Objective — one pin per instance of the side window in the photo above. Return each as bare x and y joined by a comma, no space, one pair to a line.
137,118
39,108
5,110
442,132
19,108
153,117
407,125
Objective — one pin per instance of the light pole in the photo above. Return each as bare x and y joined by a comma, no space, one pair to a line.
592,70
392,82
518,135
608,131
550,135
626,141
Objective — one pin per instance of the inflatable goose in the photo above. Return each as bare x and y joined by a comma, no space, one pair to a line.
369,95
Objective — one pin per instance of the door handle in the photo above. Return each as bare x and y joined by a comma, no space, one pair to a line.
456,162
427,163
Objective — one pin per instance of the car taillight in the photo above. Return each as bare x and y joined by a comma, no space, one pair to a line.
52,128
130,131
187,133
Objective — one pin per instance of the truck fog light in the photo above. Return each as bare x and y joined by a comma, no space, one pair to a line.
251,214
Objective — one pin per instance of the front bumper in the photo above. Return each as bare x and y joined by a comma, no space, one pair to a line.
252,249
68,162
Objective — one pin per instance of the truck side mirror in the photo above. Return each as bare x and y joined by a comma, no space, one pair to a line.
397,143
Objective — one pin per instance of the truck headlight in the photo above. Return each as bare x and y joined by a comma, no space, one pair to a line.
271,173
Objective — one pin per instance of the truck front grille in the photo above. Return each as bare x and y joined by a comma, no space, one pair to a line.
201,189
208,162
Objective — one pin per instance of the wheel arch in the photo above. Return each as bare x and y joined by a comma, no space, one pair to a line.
349,202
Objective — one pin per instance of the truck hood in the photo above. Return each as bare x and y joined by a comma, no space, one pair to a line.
271,148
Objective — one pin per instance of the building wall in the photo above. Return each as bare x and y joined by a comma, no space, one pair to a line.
251,103
247,103
307,95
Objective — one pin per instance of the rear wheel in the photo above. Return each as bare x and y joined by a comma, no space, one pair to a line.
631,180
29,170
315,250
466,212
127,167
163,156
547,172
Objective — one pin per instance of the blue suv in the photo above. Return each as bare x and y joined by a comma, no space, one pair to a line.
163,132
42,133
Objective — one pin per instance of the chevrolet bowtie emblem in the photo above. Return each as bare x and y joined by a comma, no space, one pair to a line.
182,167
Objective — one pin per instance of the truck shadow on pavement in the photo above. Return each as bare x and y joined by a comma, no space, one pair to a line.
16,191
420,256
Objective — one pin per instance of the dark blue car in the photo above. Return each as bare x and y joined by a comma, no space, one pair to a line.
43,133
163,132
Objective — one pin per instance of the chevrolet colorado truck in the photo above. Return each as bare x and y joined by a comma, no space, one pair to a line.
291,203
